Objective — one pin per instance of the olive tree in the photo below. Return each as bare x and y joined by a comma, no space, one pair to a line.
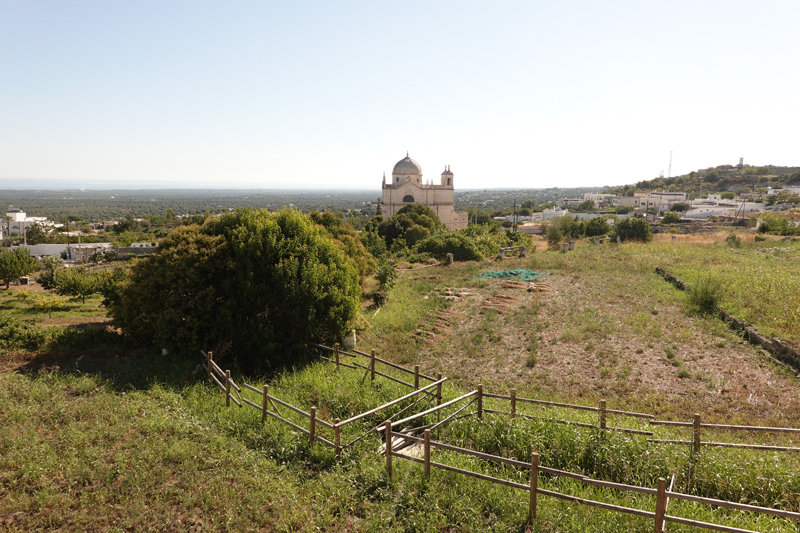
258,283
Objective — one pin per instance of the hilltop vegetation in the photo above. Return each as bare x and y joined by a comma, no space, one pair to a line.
744,179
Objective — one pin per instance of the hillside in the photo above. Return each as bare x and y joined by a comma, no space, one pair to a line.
96,435
739,179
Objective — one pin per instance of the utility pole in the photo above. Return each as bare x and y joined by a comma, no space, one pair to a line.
515,215
68,254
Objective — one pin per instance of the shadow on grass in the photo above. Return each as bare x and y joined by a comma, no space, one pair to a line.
101,350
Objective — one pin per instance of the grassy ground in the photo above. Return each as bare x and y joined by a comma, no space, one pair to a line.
609,328
105,439
112,448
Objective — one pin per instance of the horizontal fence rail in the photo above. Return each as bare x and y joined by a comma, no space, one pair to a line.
395,366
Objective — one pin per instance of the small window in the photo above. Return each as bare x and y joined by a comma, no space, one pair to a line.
408,199
448,181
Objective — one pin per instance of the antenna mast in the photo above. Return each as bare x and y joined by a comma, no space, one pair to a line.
669,174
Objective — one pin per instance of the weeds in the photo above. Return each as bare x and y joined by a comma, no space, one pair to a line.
705,296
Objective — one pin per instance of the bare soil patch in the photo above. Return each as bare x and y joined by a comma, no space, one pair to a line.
628,341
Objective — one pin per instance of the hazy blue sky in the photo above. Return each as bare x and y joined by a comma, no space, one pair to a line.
332,94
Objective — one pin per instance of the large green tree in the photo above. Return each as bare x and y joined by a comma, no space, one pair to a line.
16,263
260,284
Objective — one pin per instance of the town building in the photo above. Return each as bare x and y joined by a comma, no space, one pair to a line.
18,222
407,187
600,199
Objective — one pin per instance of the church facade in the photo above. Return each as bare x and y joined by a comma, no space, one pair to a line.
407,187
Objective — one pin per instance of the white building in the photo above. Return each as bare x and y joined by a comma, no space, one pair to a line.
19,222
790,190
406,187
714,205
73,252
549,214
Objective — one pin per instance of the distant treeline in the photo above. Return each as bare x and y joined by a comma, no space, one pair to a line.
100,206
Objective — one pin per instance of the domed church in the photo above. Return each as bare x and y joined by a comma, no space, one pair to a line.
406,187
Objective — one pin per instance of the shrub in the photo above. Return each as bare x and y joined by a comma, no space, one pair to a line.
16,263
408,216
78,282
774,224
553,235
415,234
597,226
386,275
705,296
459,244
42,301
263,284
347,240
374,244
671,217
570,227
633,229
17,335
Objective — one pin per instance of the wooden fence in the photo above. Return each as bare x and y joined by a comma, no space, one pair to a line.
433,390
660,492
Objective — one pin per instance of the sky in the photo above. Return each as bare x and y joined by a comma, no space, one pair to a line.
528,94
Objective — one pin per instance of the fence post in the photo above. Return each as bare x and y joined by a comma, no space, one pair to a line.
336,347
513,404
480,402
602,414
534,485
372,364
661,504
264,403
696,433
427,448
312,425
227,388
209,359
337,438
388,431
438,399
416,377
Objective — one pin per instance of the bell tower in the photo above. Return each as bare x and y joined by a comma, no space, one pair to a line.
447,177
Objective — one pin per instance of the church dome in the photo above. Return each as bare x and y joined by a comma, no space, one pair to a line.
407,166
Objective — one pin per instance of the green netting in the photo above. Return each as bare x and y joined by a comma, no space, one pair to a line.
520,273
